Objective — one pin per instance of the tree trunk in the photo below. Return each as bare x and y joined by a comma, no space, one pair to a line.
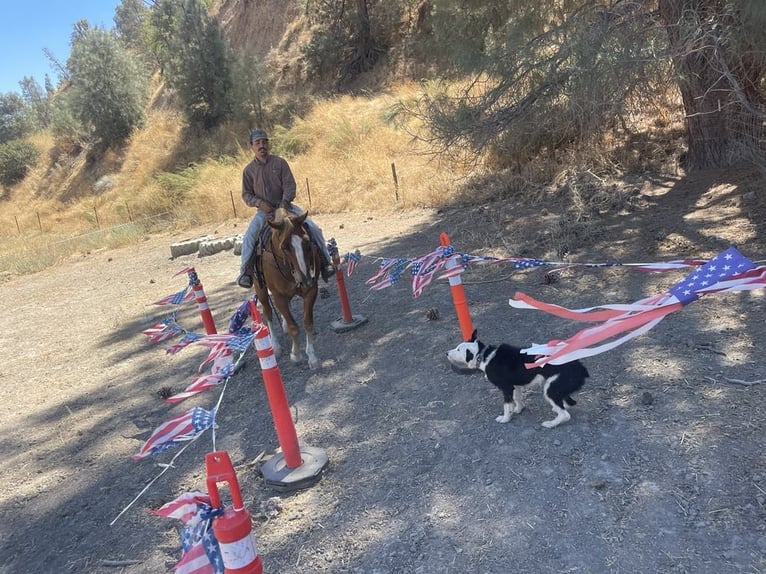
704,90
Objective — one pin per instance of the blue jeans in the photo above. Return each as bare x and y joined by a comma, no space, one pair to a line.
253,233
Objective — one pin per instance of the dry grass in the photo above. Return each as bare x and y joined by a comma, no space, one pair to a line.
344,153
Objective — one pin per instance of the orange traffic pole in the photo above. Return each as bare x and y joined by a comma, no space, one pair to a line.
348,320
294,467
204,309
458,294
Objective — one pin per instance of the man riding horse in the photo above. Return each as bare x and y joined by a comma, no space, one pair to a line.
268,183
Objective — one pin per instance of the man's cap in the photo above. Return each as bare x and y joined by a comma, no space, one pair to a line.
258,134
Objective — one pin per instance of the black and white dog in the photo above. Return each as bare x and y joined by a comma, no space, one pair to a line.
505,367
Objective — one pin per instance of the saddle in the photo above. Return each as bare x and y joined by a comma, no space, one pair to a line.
256,261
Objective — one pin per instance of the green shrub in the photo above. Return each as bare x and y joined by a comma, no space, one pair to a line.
16,158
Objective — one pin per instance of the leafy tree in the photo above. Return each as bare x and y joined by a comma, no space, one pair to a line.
196,60
16,159
718,50
131,24
552,72
345,43
37,102
108,88
14,120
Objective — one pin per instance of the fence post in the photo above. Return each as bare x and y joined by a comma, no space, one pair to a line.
233,207
396,181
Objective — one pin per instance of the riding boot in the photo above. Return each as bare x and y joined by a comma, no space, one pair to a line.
328,269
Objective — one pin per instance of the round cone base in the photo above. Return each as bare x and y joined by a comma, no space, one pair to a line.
341,326
278,476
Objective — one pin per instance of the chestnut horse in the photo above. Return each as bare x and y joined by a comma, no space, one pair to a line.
289,265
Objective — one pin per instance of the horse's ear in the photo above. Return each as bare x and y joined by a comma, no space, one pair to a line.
300,219
276,224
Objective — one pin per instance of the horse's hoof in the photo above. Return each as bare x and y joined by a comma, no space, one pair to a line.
314,364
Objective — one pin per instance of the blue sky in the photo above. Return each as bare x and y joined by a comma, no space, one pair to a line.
28,26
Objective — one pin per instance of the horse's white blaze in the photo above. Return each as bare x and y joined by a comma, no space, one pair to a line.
298,247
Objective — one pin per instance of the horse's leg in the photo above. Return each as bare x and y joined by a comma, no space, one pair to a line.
268,317
308,324
282,304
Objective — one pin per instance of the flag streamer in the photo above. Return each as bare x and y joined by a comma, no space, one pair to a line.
728,271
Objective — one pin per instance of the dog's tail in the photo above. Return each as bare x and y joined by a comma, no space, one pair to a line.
570,401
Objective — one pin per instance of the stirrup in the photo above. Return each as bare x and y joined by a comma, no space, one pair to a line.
245,281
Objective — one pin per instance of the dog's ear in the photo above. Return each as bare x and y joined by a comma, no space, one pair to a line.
473,336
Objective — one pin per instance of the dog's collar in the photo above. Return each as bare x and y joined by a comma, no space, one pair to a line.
484,355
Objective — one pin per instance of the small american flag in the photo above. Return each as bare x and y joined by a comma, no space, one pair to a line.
352,260
199,384
201,551
183,342
176,298
424,269
187,426
389,273
185,508
240,316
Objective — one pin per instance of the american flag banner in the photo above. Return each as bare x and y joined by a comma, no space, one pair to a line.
521,262
184,270
726,272
167,329
351,260
217,353
187,426
199,384
666,266
422,270
201,551
241,342
176,298
183,342
389,273
241,315
185,508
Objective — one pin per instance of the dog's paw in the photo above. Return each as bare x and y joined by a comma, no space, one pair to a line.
551,424
503,418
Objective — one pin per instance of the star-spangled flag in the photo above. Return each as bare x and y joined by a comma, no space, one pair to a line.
176,298
162,331
719,268
728,271
185,508
202,553
199,384
666,266
521,262
351,260
187,426
241,343
218,352
423,270
183,342
241,315
389,273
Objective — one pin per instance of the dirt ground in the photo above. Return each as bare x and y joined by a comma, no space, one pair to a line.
661,468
